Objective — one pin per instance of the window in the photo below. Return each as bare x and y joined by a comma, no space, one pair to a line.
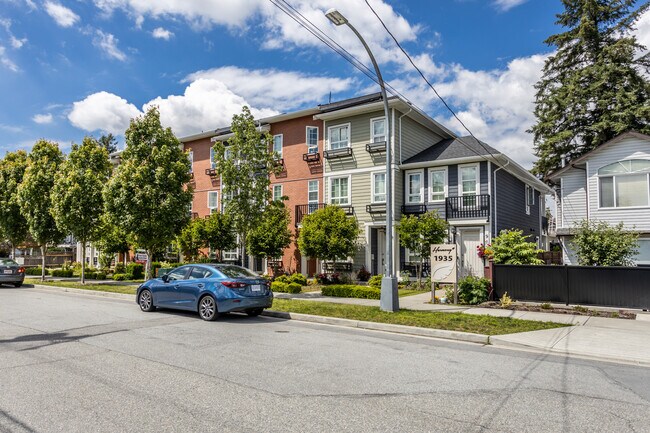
340,191
411,256
213,164
190,156
312,195
468,184
414,187
437,184
177,274
225,198
624,183
378,130
277,192
530,198
232,271
379,187
230,256
277,145
312,139
339,137
227,153
199,273
213,197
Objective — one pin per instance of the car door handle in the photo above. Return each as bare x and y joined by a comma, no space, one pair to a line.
201,285
177,286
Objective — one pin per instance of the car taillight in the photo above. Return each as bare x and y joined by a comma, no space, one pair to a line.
233,284
21,270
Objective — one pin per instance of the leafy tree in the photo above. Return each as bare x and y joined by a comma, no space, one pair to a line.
13,225
77,201
599,244
218,233
328,234
191,239
511,248
108,142
418,233
148,195
34,195
111,239
272,235
244,164
593,87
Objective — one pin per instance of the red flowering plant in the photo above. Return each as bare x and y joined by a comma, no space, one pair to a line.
485,251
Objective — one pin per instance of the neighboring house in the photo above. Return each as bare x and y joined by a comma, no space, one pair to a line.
612,184
478,190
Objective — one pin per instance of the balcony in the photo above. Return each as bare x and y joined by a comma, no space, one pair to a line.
337,153
212,172
413,209
311,157
377,147
468,207
376,208
306,209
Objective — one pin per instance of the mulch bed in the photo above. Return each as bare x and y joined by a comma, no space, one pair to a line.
578,310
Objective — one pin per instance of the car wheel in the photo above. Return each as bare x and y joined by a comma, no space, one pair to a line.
18,284
256,312
146,301
208,308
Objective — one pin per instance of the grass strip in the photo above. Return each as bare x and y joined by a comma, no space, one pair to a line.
488,325
114,288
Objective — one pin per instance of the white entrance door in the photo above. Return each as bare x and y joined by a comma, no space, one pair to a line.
381,250
470,262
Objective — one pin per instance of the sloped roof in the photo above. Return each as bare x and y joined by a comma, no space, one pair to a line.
453,148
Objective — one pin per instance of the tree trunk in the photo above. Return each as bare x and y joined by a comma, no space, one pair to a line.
147,266
420,273
43,249
13,251
83,262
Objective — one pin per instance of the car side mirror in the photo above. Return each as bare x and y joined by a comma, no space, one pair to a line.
165,278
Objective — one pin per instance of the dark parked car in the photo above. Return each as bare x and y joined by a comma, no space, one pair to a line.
209,289
11,273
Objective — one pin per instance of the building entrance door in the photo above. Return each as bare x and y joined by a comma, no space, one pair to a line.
468,241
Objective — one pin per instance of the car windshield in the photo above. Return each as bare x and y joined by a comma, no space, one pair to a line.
7,262
232,271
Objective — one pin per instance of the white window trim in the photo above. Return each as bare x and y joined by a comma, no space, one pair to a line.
430,184
329,189
307,138
406,185
273,190
528,205
217,206
281,144
615,207
190,155
478,178
372,187
372,130
317,191
213,164
340,125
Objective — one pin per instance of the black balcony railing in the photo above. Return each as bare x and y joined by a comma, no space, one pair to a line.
376,208
311,157
343,152
468,206
306,209
413,209
412,268
379,146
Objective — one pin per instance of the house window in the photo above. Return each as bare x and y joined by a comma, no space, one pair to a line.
379,187
339,137
414,188
190,156
213,163
437,184
530,198
411,256
312,195
468,184
624,183
340,191
213,201
277,192
277,145
225,198
312,139
378,130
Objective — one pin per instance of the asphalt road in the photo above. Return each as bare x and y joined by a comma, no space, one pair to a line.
82,363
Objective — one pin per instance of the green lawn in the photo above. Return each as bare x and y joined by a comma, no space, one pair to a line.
488,325
115,287
409,292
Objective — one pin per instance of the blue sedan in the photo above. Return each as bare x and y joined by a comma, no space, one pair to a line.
209,289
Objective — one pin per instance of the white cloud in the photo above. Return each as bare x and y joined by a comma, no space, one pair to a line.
43,119
6,61
505,5
161,33
16,43
63,16
643,30
108,43
103,111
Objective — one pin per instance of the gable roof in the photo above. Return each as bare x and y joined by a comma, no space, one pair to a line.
615,140
453,148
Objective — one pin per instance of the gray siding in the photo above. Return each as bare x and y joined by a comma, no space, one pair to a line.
573,197
415,138
510,203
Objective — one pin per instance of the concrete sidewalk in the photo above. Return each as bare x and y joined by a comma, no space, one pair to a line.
618,340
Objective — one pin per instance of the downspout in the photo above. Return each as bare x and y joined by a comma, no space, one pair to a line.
400,134
494,185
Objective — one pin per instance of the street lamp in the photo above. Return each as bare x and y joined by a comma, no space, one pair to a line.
389,300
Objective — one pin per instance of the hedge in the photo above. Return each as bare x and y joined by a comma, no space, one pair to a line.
66,273
351,291
278,286
119,277
35,271
298,278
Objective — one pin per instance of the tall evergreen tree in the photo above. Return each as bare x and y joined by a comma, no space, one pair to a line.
13,224
593,87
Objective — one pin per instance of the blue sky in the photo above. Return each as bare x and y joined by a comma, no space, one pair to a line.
71,68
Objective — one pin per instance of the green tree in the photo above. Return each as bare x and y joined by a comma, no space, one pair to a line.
272,235
13,224
244,164
149,193
592,87
599,244
219,234
108,142
512,248
418,233
191,239
111,238
328,234
77,201
34,195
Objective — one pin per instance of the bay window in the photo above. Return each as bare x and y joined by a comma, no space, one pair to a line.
624,184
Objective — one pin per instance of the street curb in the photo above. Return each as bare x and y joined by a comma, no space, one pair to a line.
374,326
123,296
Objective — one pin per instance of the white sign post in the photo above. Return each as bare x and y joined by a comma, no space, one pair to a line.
443,266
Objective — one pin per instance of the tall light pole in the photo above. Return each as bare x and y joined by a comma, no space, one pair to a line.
389,300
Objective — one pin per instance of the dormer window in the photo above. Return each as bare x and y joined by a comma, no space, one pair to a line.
624,184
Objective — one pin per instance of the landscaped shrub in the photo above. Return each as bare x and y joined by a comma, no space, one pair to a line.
65,273
135,270
154,267
120,268
282,279
35,271
351,291
119,277
473,290
322,279
294,288
298,279
99,275
375,281
278,286
363,274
